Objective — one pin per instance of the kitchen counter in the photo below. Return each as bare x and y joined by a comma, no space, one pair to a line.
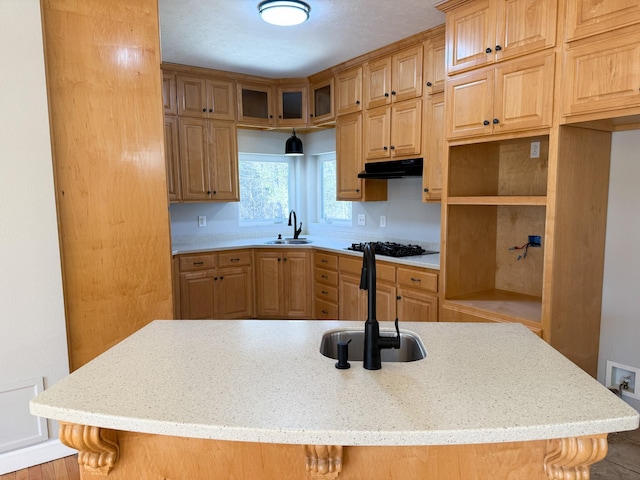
247,399
336,245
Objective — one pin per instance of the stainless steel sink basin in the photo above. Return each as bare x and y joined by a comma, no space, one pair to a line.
411,348
289,241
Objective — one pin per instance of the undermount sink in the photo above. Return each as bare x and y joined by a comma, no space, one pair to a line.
289,241
411,348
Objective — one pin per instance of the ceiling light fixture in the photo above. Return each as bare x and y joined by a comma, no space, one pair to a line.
293,146
284,12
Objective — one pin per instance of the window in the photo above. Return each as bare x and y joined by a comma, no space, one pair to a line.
331,210
265,188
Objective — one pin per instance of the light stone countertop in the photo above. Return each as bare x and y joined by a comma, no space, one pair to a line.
265,381
336,245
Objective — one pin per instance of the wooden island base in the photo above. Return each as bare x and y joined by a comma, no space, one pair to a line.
122,455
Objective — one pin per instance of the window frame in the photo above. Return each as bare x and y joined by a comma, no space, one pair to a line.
321,159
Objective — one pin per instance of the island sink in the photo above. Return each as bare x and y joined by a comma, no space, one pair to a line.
411,347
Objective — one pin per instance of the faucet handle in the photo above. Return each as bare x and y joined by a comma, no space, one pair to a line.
397,339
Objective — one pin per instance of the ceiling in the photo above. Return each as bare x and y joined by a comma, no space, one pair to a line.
229,34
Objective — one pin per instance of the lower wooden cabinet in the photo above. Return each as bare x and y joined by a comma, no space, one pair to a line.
283,283
216,285
417,295
325,286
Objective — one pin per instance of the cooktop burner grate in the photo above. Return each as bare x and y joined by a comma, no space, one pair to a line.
392,249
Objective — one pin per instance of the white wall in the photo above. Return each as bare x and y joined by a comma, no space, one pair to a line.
32,323
408,219
620,327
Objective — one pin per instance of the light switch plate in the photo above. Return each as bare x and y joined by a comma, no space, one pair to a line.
202,220
361,219
383,221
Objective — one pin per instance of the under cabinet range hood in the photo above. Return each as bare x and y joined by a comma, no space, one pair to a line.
392,169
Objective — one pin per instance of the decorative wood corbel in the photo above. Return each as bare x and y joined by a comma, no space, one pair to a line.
571,458
97,447
323,462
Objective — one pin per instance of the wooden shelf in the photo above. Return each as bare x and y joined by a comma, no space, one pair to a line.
499,305
534,200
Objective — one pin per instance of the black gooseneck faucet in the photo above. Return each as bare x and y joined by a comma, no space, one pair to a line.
296,233
373,342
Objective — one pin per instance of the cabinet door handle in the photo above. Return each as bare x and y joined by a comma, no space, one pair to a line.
429,84
498,48
210,110
215,192
385,148
234,260
488,50
279,259
425,190
496,121
485,123
393,147
204,109
221,278
393,92
324,260
398,297
208,192
198,263
270,116
415,280
357,190
215,278
386,94
357,102
324,292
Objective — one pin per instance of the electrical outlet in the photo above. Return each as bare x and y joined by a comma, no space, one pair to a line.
535,240
624,378
535,150
383,221
202,220
361,219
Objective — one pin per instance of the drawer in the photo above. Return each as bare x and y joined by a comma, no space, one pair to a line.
326,293
234,258
385,272
325,310
419,279
190,263
325,260
328,277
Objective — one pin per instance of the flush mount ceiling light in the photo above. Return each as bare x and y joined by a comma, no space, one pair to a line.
284,12
293,146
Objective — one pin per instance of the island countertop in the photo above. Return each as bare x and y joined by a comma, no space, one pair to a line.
265,381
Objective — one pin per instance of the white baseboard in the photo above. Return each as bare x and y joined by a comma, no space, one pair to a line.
33,455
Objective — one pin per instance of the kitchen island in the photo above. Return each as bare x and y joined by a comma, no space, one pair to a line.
254,399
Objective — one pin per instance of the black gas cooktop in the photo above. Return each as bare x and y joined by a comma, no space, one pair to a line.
391,249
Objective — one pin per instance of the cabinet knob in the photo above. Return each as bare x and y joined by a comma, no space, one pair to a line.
279,259
279,116
284,259
385,148
498,48
210,110
204,109
398,297
270,116
215,192
425,190
393,92
496,121
208,192
215,278
488,50
357,102
221,278
392,147
429,84
357,190
386,94
485,123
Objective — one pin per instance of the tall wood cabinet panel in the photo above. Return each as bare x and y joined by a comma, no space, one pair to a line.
602,74
110,171
208,160
591,17
169,98
487,31
206,97
434,64
350,162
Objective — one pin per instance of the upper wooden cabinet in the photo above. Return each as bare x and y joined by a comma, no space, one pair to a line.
480,32
255,104
393,78
206,97
171,154
590,17
434,65
602,75
292,105
208,160
515,95
321,93
169,93
433,148
349,91
350,162
393,131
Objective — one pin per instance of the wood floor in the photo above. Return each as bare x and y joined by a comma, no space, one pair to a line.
622,463
62,469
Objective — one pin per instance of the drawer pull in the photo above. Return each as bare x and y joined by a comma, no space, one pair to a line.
324,276
234,260
325,312
324,292
415,280
198,263
324,260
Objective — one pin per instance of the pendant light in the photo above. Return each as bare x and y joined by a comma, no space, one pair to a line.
293,146
284,13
